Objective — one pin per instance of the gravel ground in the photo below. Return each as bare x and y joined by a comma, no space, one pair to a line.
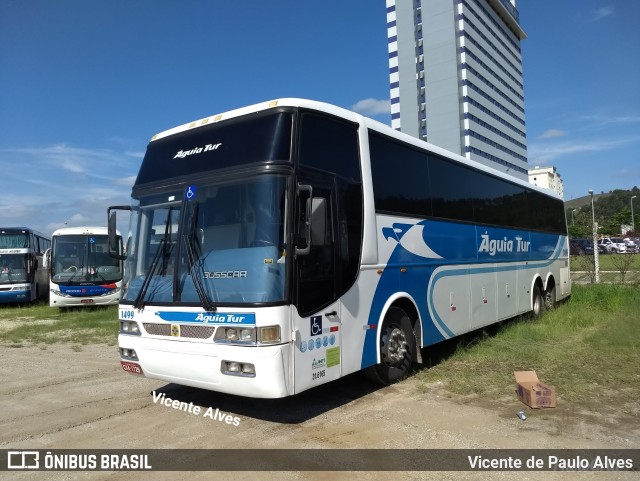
55,397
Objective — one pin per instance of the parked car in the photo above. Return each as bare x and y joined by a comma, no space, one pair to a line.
632,245
581,247
613,245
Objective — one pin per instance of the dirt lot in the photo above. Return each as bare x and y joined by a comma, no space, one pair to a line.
57,397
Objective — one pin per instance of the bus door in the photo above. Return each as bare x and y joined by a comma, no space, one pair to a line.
316,314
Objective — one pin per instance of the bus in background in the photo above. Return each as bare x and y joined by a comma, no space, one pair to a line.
82,271
284,245
23,277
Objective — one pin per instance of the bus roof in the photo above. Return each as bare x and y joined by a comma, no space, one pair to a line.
27,229
352,117
84,230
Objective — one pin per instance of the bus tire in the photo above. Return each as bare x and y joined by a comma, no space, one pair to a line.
397,348
550,298
537,303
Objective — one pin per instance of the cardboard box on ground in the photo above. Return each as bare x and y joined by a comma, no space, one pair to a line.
532,392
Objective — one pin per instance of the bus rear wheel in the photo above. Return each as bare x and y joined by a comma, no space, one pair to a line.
397,348
550,298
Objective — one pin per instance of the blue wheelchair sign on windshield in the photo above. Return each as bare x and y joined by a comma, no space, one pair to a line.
191,192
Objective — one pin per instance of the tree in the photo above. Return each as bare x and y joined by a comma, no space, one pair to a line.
580,224
614,223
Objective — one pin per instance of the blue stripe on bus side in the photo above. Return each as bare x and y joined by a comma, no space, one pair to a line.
442,237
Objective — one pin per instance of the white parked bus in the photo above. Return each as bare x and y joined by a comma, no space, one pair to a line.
82,271
23,278
286,244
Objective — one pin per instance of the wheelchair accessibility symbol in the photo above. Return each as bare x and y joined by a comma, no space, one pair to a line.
191,192
316,325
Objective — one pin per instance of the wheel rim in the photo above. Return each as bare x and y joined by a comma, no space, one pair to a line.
537,305
394,346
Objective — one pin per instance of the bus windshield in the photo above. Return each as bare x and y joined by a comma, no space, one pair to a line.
223,245
14,240
83,258
14,268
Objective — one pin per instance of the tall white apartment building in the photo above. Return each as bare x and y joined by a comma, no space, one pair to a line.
455,71
547,178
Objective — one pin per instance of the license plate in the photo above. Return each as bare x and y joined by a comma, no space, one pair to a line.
131,367
87,301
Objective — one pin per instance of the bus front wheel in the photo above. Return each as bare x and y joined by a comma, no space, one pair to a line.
397,348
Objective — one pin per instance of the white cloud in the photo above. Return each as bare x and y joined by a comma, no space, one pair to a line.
600,13
135,155
627,173
543,153
71,166
372,107
60,184
125,181
611,119
551,133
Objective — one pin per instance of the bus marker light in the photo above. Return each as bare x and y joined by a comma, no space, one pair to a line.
269,334
334,328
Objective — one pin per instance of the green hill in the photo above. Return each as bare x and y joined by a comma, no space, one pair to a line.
612,211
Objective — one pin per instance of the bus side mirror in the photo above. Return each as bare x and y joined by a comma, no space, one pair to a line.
112,232
46,259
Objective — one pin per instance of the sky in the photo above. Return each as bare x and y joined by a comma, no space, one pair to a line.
85,84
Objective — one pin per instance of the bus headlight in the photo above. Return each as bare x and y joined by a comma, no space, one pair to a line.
234,368
59,293
110,292
129,327
247,335
235,335
129,354
231,334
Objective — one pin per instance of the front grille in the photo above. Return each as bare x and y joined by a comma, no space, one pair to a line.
197,332
186,330
157,329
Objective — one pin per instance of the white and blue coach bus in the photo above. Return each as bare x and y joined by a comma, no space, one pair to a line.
82,271
23,277
284,245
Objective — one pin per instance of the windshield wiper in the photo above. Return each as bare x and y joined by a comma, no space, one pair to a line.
139,302
161,252
197,281
189,243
